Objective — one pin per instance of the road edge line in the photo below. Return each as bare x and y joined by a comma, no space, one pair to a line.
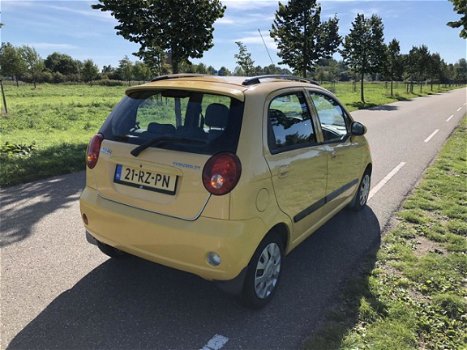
385,180
431,136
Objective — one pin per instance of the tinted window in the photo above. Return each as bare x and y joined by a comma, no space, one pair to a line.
186,120
333,120
290,122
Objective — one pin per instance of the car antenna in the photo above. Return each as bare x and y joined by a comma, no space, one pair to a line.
267,50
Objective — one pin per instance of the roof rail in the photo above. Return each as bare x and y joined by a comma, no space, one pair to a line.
257,79
177,76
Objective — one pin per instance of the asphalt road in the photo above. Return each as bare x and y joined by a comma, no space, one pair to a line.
58,292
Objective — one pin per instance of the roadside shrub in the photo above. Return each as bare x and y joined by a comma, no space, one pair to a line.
15,150
108,82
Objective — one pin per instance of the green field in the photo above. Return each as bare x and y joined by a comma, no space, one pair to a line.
50,127
412,294
47,129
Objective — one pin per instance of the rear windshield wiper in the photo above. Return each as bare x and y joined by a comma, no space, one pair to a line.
121,137
157,141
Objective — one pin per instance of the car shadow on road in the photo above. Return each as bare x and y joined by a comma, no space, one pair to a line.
132,303
384,108
25,205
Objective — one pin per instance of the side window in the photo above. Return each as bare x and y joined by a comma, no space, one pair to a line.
332,117
290,123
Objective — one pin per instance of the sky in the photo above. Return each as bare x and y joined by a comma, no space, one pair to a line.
74,28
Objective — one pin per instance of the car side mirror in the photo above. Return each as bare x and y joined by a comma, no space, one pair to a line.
357,129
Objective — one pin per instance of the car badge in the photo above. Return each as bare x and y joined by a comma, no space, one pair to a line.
105,150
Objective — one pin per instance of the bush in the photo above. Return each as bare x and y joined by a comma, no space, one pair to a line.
108,82
58,77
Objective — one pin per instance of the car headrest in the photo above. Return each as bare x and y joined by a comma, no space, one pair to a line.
216,115
161,129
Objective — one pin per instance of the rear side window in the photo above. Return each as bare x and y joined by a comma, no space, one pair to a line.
290,123
175,119
332,117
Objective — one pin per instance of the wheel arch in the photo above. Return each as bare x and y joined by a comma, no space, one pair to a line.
282,230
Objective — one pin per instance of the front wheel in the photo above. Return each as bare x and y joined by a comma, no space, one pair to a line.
361,197
263,272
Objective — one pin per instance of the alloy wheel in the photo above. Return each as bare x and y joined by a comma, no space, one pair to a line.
267,270
364,190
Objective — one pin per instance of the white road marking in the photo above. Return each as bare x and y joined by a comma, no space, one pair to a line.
452,116
431,136
216,342
458,109
386,179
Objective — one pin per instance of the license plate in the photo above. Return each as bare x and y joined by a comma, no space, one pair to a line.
146,180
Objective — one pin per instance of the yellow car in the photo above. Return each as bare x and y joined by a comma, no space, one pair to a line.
222,176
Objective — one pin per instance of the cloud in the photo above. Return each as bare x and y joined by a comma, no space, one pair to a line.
225,20
249,4
253,38
52,46
95,14
242,19
367,12
12,4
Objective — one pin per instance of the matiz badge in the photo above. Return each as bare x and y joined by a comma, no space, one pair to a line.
105,150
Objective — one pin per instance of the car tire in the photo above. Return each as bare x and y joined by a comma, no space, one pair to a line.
263,273
361,196
110,251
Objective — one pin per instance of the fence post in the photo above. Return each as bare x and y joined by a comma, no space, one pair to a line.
4,109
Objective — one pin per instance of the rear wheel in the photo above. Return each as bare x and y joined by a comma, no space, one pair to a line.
110,251
361,197
263,272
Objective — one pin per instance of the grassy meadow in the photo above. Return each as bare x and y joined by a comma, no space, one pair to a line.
47,128
412,294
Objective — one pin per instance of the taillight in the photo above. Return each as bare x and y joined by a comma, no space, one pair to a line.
221,173
92,153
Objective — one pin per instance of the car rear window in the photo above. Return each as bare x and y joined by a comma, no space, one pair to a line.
189,121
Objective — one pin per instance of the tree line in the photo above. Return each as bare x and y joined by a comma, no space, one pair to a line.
23,63
172,33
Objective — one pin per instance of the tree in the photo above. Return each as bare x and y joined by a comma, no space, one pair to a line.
141,71
183,28
461,71
33,62
301,37
201,69
435,68
460,6
418,62
89,71
244,60
211,70
394,67
61,63
12,63
223,71
364,49
125,68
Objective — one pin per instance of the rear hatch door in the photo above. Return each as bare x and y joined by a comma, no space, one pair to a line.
156,142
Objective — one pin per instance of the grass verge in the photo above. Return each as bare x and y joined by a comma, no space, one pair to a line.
412,294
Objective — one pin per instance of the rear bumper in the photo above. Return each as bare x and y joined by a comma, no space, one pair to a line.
173,242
